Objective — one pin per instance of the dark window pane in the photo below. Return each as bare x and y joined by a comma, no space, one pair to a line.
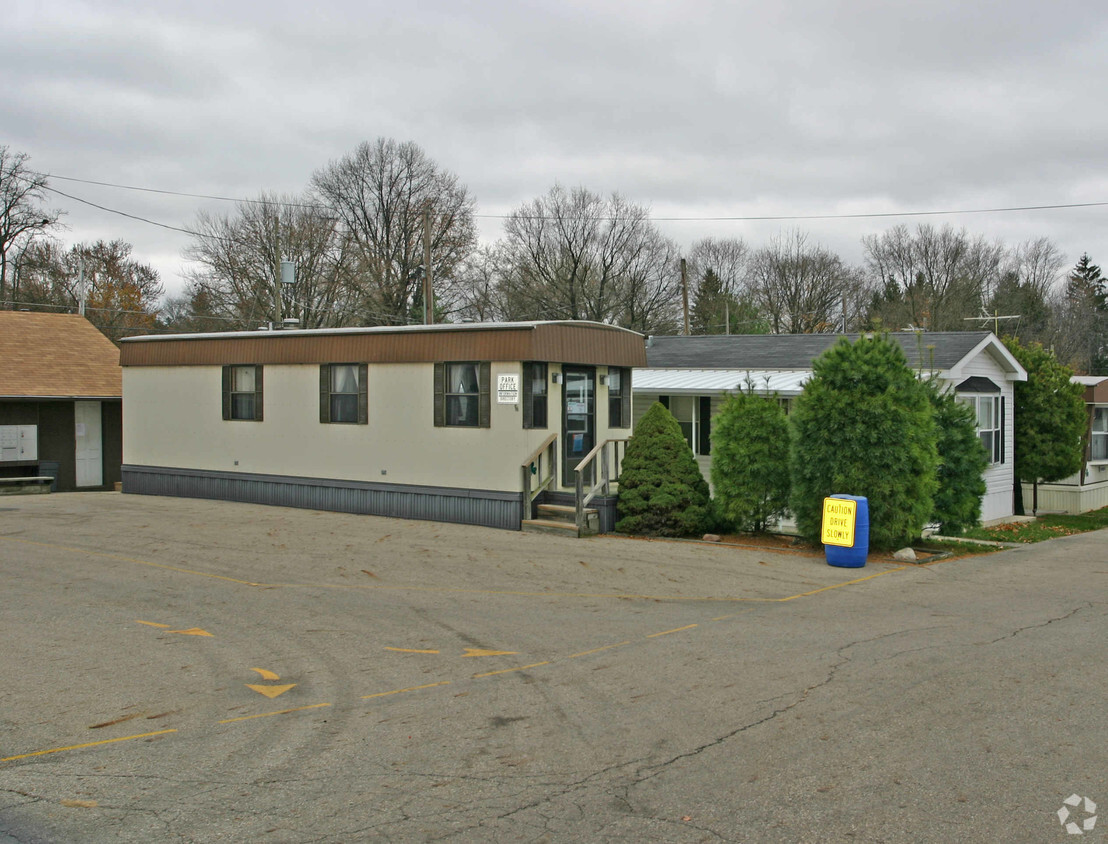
538,412
242,406
461,410
344,408
615,411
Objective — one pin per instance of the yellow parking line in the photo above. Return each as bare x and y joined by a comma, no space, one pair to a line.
409,689
598,650
87,744
840,585
268,714
509,670
674,630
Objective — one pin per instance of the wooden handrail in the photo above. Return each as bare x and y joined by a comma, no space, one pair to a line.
583,498
535,461
534,454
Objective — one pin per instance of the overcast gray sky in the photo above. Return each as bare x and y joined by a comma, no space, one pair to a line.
695,109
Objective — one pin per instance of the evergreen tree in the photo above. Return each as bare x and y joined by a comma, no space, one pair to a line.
750,460
661,490
962,462
863,426
1087,285
710,310
1050,418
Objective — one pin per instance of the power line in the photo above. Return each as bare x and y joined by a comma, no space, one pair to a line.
718,219
182,193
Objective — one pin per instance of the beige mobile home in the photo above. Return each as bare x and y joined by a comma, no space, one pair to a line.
458,423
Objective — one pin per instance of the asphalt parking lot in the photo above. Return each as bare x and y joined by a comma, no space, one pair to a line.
202,671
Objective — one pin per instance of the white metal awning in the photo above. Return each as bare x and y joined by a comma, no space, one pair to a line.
708,381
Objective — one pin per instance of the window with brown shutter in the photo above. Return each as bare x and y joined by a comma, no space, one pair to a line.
242,393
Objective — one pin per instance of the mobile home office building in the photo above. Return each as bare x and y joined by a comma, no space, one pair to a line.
430,422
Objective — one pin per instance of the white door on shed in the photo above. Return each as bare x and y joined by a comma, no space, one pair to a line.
90,443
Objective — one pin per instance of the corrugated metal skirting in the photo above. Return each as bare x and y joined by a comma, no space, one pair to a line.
439,504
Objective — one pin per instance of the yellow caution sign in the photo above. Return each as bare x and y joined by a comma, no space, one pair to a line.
839,518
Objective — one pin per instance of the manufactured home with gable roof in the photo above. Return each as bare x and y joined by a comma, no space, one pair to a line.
693,374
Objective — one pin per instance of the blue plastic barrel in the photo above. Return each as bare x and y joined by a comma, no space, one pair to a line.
853,557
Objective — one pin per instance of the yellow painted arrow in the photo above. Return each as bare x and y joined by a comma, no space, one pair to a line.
480,652
267,675
270,691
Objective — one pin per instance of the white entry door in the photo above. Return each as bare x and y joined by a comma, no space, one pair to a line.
90,443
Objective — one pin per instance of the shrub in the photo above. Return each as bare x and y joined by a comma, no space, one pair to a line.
750,461
863,426
661,490
1050,419
962,462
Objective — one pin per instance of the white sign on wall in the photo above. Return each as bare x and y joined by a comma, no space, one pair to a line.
507,388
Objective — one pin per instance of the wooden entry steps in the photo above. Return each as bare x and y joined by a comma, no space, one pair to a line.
561,519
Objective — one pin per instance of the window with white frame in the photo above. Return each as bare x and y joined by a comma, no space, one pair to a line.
990,424
1098,441
694,415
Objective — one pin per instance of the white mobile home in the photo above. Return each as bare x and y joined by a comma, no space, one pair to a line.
439,422
693,374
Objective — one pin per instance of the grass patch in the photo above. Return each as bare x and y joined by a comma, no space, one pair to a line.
1045,527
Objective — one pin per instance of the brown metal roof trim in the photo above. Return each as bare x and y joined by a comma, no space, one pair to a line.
556,342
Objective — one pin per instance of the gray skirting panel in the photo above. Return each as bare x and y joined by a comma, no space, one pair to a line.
489,508
605,505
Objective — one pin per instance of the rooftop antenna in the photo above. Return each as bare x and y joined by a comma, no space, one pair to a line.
995,319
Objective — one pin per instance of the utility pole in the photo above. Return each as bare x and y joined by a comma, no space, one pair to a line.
428,287
277,277
727,315
685,293
82,294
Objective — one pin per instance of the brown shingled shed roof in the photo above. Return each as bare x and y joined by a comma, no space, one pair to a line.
56,356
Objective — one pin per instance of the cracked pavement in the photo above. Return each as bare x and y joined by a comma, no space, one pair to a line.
451,683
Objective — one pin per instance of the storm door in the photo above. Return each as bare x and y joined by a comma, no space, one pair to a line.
578,419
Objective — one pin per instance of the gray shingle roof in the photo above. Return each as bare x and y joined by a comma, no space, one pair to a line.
938,349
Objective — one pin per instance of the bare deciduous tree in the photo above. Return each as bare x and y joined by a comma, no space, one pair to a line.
575,255
937,276
379,193
22,217
726,257
238,257
473,294
800,287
